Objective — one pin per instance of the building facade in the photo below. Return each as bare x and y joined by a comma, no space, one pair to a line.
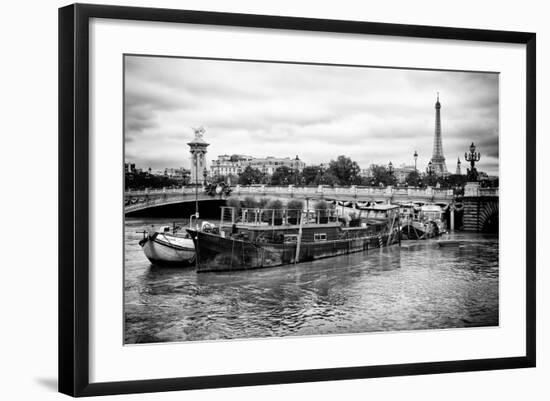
226,165
366,173
180,174
130,168
402,172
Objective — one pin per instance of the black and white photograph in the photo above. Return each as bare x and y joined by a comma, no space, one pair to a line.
271,199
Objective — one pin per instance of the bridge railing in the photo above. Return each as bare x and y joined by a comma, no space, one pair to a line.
350,190
135,200
148,202
474,189
316,191
160,191
488,192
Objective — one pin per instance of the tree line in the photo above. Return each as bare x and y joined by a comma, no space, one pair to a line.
341,172
142,180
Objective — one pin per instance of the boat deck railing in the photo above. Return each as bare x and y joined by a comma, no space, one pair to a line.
275,217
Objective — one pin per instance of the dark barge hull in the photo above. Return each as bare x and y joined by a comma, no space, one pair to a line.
217,253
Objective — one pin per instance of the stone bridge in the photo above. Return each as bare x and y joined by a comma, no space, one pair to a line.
479,205
140,200
481,208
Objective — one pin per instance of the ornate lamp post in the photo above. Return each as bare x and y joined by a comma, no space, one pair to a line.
354,174
321,172
472,157
430,174
429,169
415,157
390,171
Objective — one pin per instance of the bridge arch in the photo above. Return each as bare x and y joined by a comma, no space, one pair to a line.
481,214
488,218
208,208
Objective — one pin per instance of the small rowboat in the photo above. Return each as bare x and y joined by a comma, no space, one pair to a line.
168,249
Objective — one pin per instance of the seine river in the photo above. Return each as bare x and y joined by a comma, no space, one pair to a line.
419,285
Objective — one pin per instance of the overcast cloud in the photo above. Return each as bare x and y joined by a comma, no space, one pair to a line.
373,115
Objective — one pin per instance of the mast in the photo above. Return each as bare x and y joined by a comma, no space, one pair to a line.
299,240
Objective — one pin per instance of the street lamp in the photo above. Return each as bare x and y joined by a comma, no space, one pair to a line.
472,157
415,157
321,172
354,173
390,171
429,169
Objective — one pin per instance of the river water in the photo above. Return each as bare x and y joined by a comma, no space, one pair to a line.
419,285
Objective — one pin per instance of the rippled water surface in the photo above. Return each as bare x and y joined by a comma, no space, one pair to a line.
416,286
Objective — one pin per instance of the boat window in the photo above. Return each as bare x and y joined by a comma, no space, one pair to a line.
320,237
291,238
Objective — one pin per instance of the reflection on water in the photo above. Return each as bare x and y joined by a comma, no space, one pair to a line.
417,286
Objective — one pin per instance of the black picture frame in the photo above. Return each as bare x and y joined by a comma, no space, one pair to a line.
74,201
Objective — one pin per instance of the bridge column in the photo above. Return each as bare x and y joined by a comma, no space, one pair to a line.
480,207
429,192
471,189
471,206
471,214
389,193
452,212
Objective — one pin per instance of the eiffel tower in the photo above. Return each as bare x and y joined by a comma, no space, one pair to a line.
438,160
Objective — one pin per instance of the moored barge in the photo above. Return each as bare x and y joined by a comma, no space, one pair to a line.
422,222
259,238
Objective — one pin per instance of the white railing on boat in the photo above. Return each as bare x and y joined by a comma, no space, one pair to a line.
276,217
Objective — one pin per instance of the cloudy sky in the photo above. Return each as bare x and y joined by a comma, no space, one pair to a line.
373,115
